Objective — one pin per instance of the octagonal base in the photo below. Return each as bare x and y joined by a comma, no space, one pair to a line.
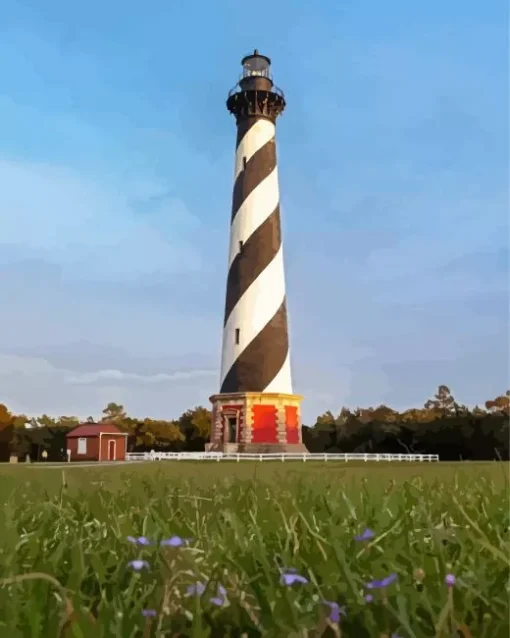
256,423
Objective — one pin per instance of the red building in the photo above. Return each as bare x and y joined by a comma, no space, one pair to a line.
256,422
97,442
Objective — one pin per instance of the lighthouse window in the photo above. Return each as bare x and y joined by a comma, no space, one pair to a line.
237,336
244,162
241,246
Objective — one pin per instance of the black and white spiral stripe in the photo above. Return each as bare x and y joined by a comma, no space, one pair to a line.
255,356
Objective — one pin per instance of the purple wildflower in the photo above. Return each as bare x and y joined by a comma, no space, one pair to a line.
196,590
383,583
149,613
174,541
368,598
141,540
365,536
336,610
450,580
221,598
290,576
138,565
218,601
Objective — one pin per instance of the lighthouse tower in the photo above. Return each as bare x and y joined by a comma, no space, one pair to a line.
256,410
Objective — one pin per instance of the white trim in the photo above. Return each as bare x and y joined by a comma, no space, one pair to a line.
226,415
114,449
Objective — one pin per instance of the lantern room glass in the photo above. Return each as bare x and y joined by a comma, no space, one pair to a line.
256,65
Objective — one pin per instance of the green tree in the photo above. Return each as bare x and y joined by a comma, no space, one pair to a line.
325,421
44,421
68,422
20,420
417,416
113,413
499,405
384,414
158,434
6,432
388,420
324,434
202,423
196,425
6,418
442,402
343,425
364,415
343,416
478,412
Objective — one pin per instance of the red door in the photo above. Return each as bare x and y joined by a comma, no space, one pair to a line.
112,445
264,424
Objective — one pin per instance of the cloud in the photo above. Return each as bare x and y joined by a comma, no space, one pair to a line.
91,230
116,376
33,385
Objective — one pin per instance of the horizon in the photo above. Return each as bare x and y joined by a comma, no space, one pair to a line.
83,419
393,164
97,420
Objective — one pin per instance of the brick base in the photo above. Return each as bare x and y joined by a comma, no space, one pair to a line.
264,422
257,448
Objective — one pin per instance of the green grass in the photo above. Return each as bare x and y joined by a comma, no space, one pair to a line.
69,527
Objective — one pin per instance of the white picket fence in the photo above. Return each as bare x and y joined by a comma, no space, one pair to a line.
219,456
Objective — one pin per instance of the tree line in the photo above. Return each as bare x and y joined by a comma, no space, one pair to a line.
442,426
21,436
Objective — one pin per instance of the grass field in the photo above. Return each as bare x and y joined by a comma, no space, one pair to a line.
270,550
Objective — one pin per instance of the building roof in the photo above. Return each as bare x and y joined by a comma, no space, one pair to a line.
94,429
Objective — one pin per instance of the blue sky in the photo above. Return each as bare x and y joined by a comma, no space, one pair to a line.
116,164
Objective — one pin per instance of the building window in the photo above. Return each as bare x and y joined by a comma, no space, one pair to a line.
237,336
244,163
82,446
241,243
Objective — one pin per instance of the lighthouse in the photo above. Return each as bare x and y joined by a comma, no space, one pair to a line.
255,409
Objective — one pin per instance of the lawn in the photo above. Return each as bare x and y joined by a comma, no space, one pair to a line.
271,549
